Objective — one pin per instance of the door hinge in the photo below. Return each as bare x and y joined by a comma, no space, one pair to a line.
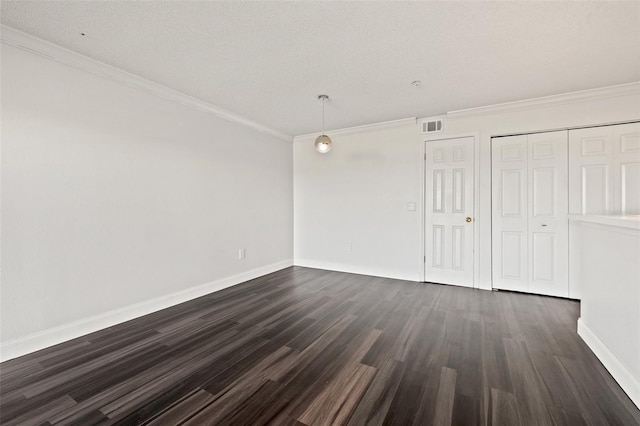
425,156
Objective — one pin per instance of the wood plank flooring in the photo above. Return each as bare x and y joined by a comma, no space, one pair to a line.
311,347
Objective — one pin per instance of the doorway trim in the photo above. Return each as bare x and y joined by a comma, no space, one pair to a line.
476,205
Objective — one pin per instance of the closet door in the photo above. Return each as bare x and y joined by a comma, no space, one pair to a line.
627,168
510,213
604,170
548,214
529,213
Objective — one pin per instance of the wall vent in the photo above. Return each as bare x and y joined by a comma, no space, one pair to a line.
432,126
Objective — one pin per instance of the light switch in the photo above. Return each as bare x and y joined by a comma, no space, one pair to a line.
411,207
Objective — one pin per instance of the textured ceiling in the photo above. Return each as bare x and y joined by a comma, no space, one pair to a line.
267,61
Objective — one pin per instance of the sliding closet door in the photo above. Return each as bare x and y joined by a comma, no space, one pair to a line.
529,213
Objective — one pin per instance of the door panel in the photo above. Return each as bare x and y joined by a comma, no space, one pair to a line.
457,241
513,183
529,213
543,254
630,202
594,188
458,190
449,199
512,258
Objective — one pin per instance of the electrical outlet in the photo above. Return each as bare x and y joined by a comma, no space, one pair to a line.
349,247
241,254
411,207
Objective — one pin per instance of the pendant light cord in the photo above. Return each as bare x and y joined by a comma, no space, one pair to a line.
323,99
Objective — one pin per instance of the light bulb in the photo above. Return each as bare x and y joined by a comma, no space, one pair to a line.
323,144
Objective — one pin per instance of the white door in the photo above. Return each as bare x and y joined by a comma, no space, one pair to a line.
530,213
604,170
509,219
449,205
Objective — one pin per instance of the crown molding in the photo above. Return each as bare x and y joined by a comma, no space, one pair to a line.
360,129
546,101
38,46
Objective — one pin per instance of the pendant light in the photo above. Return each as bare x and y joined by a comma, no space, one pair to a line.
323,142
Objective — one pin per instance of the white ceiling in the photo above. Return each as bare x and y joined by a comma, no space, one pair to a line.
268,61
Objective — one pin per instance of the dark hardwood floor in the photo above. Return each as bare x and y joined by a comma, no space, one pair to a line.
306,347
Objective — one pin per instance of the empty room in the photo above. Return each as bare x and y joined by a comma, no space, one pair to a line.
320,213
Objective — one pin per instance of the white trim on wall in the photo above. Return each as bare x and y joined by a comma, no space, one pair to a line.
29,43
342,267
364,128
611,362
547,101
53,336
583,126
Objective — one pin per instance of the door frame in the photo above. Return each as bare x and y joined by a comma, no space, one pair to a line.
476,206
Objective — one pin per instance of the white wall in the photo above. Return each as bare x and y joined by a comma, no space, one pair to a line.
608,260
351,203
112,197
336,200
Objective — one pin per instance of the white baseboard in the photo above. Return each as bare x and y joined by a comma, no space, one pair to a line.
373,271
616,368
53,336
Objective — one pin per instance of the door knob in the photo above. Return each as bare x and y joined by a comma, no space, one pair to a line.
468,219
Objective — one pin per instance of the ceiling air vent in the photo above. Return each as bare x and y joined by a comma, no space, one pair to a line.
432,126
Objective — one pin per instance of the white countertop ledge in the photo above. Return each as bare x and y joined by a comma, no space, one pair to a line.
630,221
